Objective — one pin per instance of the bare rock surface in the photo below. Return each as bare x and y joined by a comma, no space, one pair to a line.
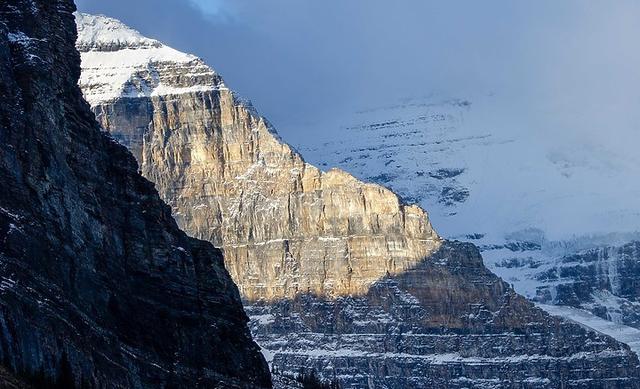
285,226
99,287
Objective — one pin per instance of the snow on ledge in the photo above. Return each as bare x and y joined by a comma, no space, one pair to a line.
118,61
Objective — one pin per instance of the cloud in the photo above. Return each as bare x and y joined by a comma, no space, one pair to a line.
209,7
218,9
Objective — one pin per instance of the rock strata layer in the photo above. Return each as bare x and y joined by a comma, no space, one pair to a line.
447,323
98,286
340,276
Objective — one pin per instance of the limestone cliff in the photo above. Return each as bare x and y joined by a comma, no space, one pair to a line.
341,277
447,323
98,286
285,226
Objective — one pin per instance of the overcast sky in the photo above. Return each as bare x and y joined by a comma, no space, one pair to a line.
569,67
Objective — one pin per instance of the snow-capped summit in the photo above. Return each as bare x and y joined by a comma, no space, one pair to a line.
99,31
117,61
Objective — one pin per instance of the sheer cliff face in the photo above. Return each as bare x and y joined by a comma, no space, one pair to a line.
98,286
342,277
285,226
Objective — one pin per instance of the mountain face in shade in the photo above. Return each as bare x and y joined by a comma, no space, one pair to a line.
557,218
99,287
339,276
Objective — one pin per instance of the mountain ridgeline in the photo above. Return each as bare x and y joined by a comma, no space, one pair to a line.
99,288
339,276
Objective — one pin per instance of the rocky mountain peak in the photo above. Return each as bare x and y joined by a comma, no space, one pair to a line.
285,226
119,61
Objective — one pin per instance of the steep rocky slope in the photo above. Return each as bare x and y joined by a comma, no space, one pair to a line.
98,286
448,323
340,276
602,280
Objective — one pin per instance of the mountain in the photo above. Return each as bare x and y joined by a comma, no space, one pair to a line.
231,181
99,288
340,277
559,221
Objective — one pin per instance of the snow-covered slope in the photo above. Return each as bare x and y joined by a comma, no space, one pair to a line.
477,174
620,332
116,58
530,199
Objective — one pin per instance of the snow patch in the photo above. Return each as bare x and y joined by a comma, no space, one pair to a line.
118,61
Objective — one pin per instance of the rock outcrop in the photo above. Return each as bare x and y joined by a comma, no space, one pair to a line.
98,286
340,276
447,323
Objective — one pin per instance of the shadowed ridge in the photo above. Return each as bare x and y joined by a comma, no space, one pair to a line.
98,286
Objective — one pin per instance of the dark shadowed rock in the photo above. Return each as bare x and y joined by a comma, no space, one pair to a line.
98,286
8,380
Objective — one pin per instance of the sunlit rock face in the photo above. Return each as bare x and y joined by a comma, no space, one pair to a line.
339,276
285,226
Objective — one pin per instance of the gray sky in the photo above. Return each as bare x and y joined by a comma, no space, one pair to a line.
563,67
